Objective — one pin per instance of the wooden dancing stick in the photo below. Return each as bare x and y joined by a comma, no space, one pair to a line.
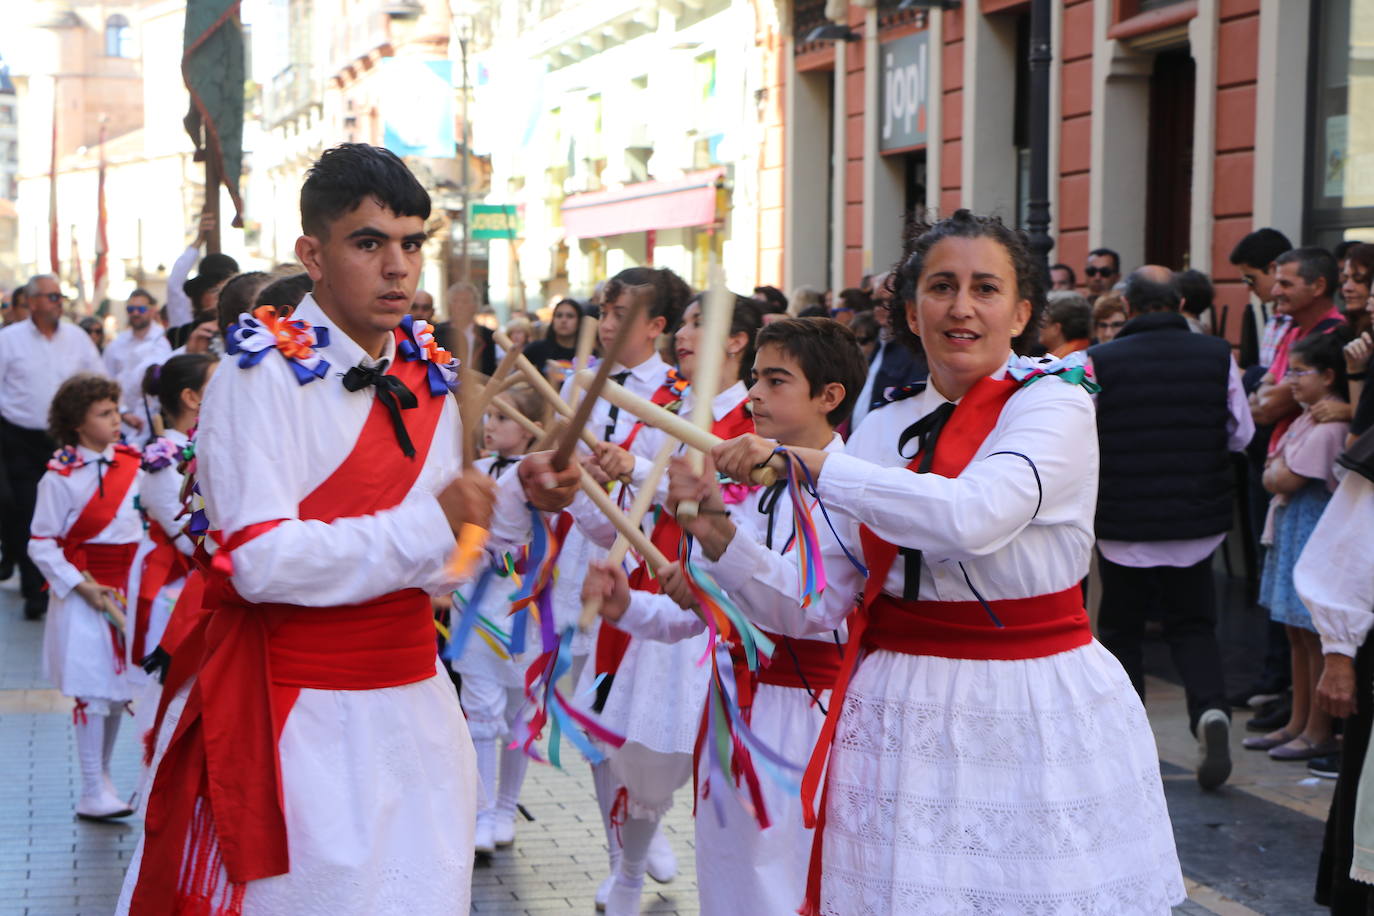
586,341
710,356
541,385
467,398
108,606
563,452
497,381
632,533
683,430
643,501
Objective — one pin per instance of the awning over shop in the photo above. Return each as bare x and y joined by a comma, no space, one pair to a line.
674,204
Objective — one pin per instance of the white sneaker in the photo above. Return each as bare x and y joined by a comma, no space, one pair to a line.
483,841
503,831
661,864
1214,748
104,806
603,892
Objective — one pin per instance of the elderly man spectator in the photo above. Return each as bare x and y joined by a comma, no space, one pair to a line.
1304,290
892,364
1062,277
422,306
463,302
1102,272
141,343
1171,409
1068,324
36,356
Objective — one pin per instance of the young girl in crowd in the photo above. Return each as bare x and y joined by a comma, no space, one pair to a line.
492,689
163,558
1300,475
83,538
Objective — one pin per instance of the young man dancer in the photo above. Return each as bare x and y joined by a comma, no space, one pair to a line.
321,763
808,372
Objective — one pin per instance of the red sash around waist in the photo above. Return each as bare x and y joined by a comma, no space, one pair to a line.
802,664
1031,627
109,564
161,565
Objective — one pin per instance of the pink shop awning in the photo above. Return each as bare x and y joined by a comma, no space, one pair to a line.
673,204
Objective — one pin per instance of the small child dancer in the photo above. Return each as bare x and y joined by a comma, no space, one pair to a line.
492,691
163,559
808,373
85,532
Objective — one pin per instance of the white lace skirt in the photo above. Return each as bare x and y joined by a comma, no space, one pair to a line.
658,694
1007,787
380,791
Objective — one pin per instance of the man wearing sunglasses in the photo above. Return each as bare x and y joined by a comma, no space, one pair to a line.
36,356
142,343
1103,271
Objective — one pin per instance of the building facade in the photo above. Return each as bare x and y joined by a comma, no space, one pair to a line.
1177,126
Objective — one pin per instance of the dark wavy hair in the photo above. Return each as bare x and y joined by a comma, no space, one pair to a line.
167,381
1325,352
74,399
922,235
746,319
670,292
827,352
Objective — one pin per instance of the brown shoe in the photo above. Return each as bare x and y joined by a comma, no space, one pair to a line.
1265,742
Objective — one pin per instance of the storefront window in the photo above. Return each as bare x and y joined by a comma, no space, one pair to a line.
1340,167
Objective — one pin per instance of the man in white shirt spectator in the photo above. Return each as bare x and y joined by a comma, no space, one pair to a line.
36,356
142,342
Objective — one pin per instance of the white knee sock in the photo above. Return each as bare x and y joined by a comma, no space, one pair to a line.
90,731
605,783
486,771
636,834
513,765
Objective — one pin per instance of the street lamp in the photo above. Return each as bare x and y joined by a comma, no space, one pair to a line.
1038,205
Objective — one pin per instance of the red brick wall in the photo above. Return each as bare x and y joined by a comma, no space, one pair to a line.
1075,136
951,111
1234,190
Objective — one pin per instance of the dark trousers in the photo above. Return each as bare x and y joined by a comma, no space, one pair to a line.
1335,888
26,453
1186,598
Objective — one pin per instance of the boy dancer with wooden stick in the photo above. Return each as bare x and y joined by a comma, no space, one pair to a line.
321,763
808,372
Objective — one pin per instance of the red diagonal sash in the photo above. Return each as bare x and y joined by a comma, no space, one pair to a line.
104,504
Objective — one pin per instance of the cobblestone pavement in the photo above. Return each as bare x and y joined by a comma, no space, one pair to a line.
1249,849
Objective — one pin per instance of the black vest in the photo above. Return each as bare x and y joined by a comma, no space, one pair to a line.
1161,426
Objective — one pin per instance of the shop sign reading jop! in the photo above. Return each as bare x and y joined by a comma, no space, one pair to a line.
904,64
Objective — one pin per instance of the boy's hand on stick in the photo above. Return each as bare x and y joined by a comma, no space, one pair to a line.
738,457
548,489
468,500
614,461
711,526
593,468
609,585
672,580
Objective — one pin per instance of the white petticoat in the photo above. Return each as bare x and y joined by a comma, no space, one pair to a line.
79,653
1004,787
741,869
380,789
658,694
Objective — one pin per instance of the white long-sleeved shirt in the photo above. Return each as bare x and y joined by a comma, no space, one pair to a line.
33,366
266,442
126,359
179,306
1011,536
61,499
160,496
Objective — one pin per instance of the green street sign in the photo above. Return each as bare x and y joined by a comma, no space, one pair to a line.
493,221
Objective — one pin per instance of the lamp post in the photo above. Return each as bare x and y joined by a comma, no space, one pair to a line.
1038,206
467,215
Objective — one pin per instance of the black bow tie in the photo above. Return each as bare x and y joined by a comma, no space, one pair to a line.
500,464
926,431
393,394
